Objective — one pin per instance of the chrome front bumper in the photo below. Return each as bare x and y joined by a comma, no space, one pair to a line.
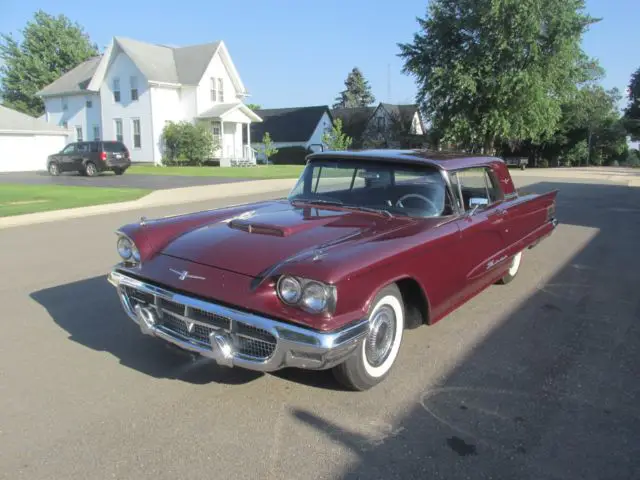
232,337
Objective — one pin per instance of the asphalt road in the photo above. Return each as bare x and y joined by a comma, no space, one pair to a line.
108,179
538,379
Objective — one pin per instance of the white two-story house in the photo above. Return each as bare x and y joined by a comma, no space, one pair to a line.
131,91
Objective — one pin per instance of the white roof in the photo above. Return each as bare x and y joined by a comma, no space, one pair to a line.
12,121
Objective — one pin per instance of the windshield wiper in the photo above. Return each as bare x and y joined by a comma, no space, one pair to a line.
381,211
322,201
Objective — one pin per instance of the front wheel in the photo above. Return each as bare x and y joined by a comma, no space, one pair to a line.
54,169
372,361
513,269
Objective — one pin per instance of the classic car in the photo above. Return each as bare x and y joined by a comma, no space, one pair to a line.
367,244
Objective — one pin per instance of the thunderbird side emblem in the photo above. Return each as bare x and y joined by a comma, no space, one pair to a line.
183,275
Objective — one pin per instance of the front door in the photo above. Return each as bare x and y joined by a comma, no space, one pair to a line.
66,157
482,230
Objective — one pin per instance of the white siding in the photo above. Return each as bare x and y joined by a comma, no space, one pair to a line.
123,68
236,116
188,102
22,153
77,113
316,137
216,69
416,127
165,106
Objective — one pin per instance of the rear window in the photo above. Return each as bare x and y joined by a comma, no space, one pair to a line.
114,147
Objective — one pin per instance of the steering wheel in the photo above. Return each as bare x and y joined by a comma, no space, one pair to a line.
418,196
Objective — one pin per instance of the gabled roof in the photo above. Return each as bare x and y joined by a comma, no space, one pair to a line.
354,120
222,109
404,113
288,124
158,63
12,121
74,81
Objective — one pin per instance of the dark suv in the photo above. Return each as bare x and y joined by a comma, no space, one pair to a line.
90,158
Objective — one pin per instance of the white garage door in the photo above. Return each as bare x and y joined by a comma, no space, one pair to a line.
23,153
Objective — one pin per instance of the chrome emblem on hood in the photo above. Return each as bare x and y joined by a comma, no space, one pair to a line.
183,274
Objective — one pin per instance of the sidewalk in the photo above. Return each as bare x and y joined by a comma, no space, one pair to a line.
157,198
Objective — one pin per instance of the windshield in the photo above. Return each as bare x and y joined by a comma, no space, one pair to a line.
417,191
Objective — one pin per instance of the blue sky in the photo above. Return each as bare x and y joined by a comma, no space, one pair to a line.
298,52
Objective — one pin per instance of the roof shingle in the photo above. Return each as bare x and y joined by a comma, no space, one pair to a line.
14,121
288,124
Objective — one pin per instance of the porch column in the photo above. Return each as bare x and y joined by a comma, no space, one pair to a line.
249,134
222,152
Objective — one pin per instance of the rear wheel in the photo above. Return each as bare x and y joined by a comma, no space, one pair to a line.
54,169
119,171
371,362
513,269
90,169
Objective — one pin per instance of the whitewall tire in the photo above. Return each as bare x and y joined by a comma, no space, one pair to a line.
514,267
373,360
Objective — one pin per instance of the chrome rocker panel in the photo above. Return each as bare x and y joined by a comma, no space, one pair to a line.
295,346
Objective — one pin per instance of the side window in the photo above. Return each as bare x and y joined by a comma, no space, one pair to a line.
476,182
94,146
83,148
69,149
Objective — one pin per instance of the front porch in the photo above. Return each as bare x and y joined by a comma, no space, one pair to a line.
227,122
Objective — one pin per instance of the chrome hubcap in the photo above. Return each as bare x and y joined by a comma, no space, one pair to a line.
53,168
382,332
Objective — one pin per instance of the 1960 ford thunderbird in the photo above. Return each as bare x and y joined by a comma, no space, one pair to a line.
367,245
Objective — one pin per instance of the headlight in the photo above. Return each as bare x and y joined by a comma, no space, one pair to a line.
314,297
310,295
289,290
127,249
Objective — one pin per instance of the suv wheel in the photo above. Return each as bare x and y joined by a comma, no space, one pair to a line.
119,171
54,169
90,169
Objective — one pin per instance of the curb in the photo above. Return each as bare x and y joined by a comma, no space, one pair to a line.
158,198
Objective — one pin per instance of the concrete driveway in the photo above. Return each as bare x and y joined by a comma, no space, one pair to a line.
537,379
108,179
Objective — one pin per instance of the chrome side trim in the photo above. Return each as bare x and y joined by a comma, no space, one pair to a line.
295,346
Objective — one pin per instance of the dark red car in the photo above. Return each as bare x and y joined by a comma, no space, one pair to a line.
367,245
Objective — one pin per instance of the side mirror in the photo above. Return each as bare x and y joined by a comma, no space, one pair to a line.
477,202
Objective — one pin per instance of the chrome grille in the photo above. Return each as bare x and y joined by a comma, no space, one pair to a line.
248,340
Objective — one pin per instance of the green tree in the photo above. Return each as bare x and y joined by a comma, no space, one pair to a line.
187,144
50,47
490,69
632,112
254,106
268,149
335,139
357,92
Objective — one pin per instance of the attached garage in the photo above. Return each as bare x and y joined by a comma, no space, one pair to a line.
26,142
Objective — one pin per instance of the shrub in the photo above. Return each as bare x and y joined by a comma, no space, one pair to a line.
290,156
543,163
187,144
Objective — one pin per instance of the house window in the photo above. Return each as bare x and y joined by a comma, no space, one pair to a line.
214,90
96,132
89,103
118,125
217,132
380,121
65,105
116,90
79,134
220,90
137,138
134,88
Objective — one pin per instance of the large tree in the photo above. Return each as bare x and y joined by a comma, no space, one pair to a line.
489,69
50,47
632,112
357,92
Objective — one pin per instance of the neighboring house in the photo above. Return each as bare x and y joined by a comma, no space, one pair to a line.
132,90
292,127
26,142
384,126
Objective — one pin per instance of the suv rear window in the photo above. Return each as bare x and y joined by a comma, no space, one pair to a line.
114,147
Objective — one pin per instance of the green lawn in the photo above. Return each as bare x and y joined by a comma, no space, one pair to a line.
265,171
20,199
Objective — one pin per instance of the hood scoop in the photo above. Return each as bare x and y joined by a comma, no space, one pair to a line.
257,228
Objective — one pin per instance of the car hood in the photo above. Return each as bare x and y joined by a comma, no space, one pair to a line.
260,239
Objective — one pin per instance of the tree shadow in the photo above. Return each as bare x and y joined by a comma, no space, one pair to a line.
552,391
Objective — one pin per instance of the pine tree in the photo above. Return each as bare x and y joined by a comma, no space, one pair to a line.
357,92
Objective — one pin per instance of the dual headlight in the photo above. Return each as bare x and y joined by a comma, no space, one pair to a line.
127,249
309,295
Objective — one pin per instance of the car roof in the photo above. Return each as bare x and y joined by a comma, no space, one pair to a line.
441,160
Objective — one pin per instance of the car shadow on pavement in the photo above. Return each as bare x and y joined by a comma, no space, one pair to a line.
551,392
89,310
